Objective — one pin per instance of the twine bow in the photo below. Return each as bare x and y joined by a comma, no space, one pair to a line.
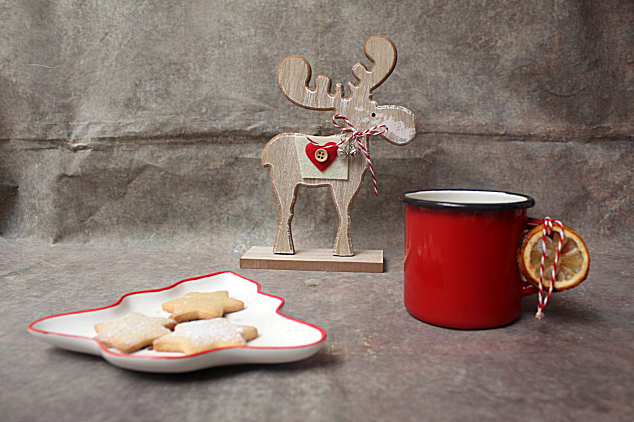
355,140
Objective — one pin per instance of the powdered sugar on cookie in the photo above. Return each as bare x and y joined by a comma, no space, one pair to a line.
132,332
197,336
221,329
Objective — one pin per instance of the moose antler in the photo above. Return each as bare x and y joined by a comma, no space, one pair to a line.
293,77
294,73
382,53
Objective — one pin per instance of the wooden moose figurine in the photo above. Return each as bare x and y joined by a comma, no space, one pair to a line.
396,124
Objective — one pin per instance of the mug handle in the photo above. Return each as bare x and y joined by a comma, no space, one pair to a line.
528,288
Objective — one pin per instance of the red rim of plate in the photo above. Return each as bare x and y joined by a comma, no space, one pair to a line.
126,355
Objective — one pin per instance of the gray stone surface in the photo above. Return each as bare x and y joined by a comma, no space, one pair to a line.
130,142
377,364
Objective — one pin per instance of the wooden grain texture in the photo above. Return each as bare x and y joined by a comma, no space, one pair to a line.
367,261
294,75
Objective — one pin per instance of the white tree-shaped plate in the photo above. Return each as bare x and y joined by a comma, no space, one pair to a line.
281,339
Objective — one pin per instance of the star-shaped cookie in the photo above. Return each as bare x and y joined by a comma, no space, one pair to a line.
199,336
132,332
196,305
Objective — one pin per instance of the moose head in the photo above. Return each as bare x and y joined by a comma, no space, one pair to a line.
362,113
294,74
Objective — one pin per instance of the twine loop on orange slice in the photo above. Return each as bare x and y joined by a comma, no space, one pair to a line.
546,231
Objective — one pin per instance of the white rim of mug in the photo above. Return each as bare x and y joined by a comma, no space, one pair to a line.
520,201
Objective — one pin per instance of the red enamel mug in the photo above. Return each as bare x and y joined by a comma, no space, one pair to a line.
461,250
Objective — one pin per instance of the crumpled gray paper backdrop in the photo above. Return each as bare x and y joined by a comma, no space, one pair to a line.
143,122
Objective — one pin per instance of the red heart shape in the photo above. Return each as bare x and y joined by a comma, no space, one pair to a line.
331,149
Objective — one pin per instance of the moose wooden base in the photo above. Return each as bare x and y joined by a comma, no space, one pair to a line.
263,258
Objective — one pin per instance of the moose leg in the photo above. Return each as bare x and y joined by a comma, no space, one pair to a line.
343,197
284,238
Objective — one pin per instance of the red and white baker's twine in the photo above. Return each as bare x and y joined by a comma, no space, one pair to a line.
355,140
546,230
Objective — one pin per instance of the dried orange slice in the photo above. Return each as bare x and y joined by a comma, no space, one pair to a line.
573,264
